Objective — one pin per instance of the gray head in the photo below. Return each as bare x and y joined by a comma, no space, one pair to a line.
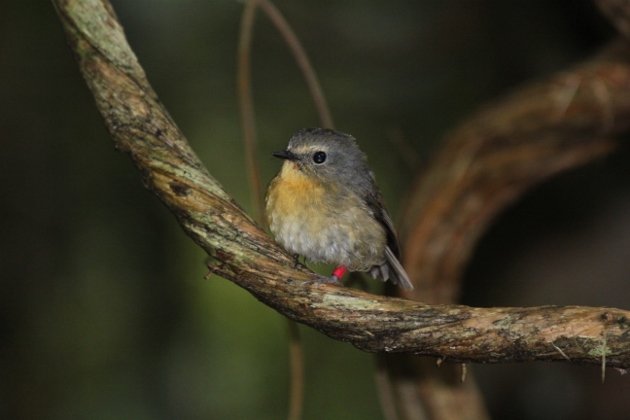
329,155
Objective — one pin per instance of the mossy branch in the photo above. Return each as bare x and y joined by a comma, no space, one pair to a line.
245,254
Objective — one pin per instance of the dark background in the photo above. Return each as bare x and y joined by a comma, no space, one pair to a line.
104,311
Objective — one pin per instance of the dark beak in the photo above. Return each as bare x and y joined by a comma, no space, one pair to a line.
285,154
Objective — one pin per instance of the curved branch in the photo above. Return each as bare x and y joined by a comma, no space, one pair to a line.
501,152
243,253
302,61
618,12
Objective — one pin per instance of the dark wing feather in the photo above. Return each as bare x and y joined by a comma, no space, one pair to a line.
392,251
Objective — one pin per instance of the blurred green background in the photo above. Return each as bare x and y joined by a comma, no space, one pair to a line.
104,311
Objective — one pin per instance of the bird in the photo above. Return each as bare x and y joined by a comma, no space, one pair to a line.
325,206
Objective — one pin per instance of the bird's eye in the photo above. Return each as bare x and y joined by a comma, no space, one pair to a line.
319,157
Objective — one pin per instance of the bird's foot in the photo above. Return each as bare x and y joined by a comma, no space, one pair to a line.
297,263
335,277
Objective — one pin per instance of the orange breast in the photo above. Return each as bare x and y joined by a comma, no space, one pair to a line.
293,195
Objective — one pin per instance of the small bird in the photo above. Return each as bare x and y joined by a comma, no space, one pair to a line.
324,205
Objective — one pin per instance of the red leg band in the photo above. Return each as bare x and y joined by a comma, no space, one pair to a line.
339,272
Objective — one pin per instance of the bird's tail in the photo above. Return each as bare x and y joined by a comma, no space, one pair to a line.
392,270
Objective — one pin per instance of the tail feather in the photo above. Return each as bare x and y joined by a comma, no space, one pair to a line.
397,275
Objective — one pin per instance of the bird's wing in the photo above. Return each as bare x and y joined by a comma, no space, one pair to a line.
392,251
375,203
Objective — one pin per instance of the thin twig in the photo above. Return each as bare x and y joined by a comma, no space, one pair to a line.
302,60
246,105
561,352
296,358
384,389
604,351
405,150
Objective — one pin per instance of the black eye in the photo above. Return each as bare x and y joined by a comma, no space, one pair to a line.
319,157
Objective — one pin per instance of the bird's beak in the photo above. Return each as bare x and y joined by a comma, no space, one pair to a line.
285,154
